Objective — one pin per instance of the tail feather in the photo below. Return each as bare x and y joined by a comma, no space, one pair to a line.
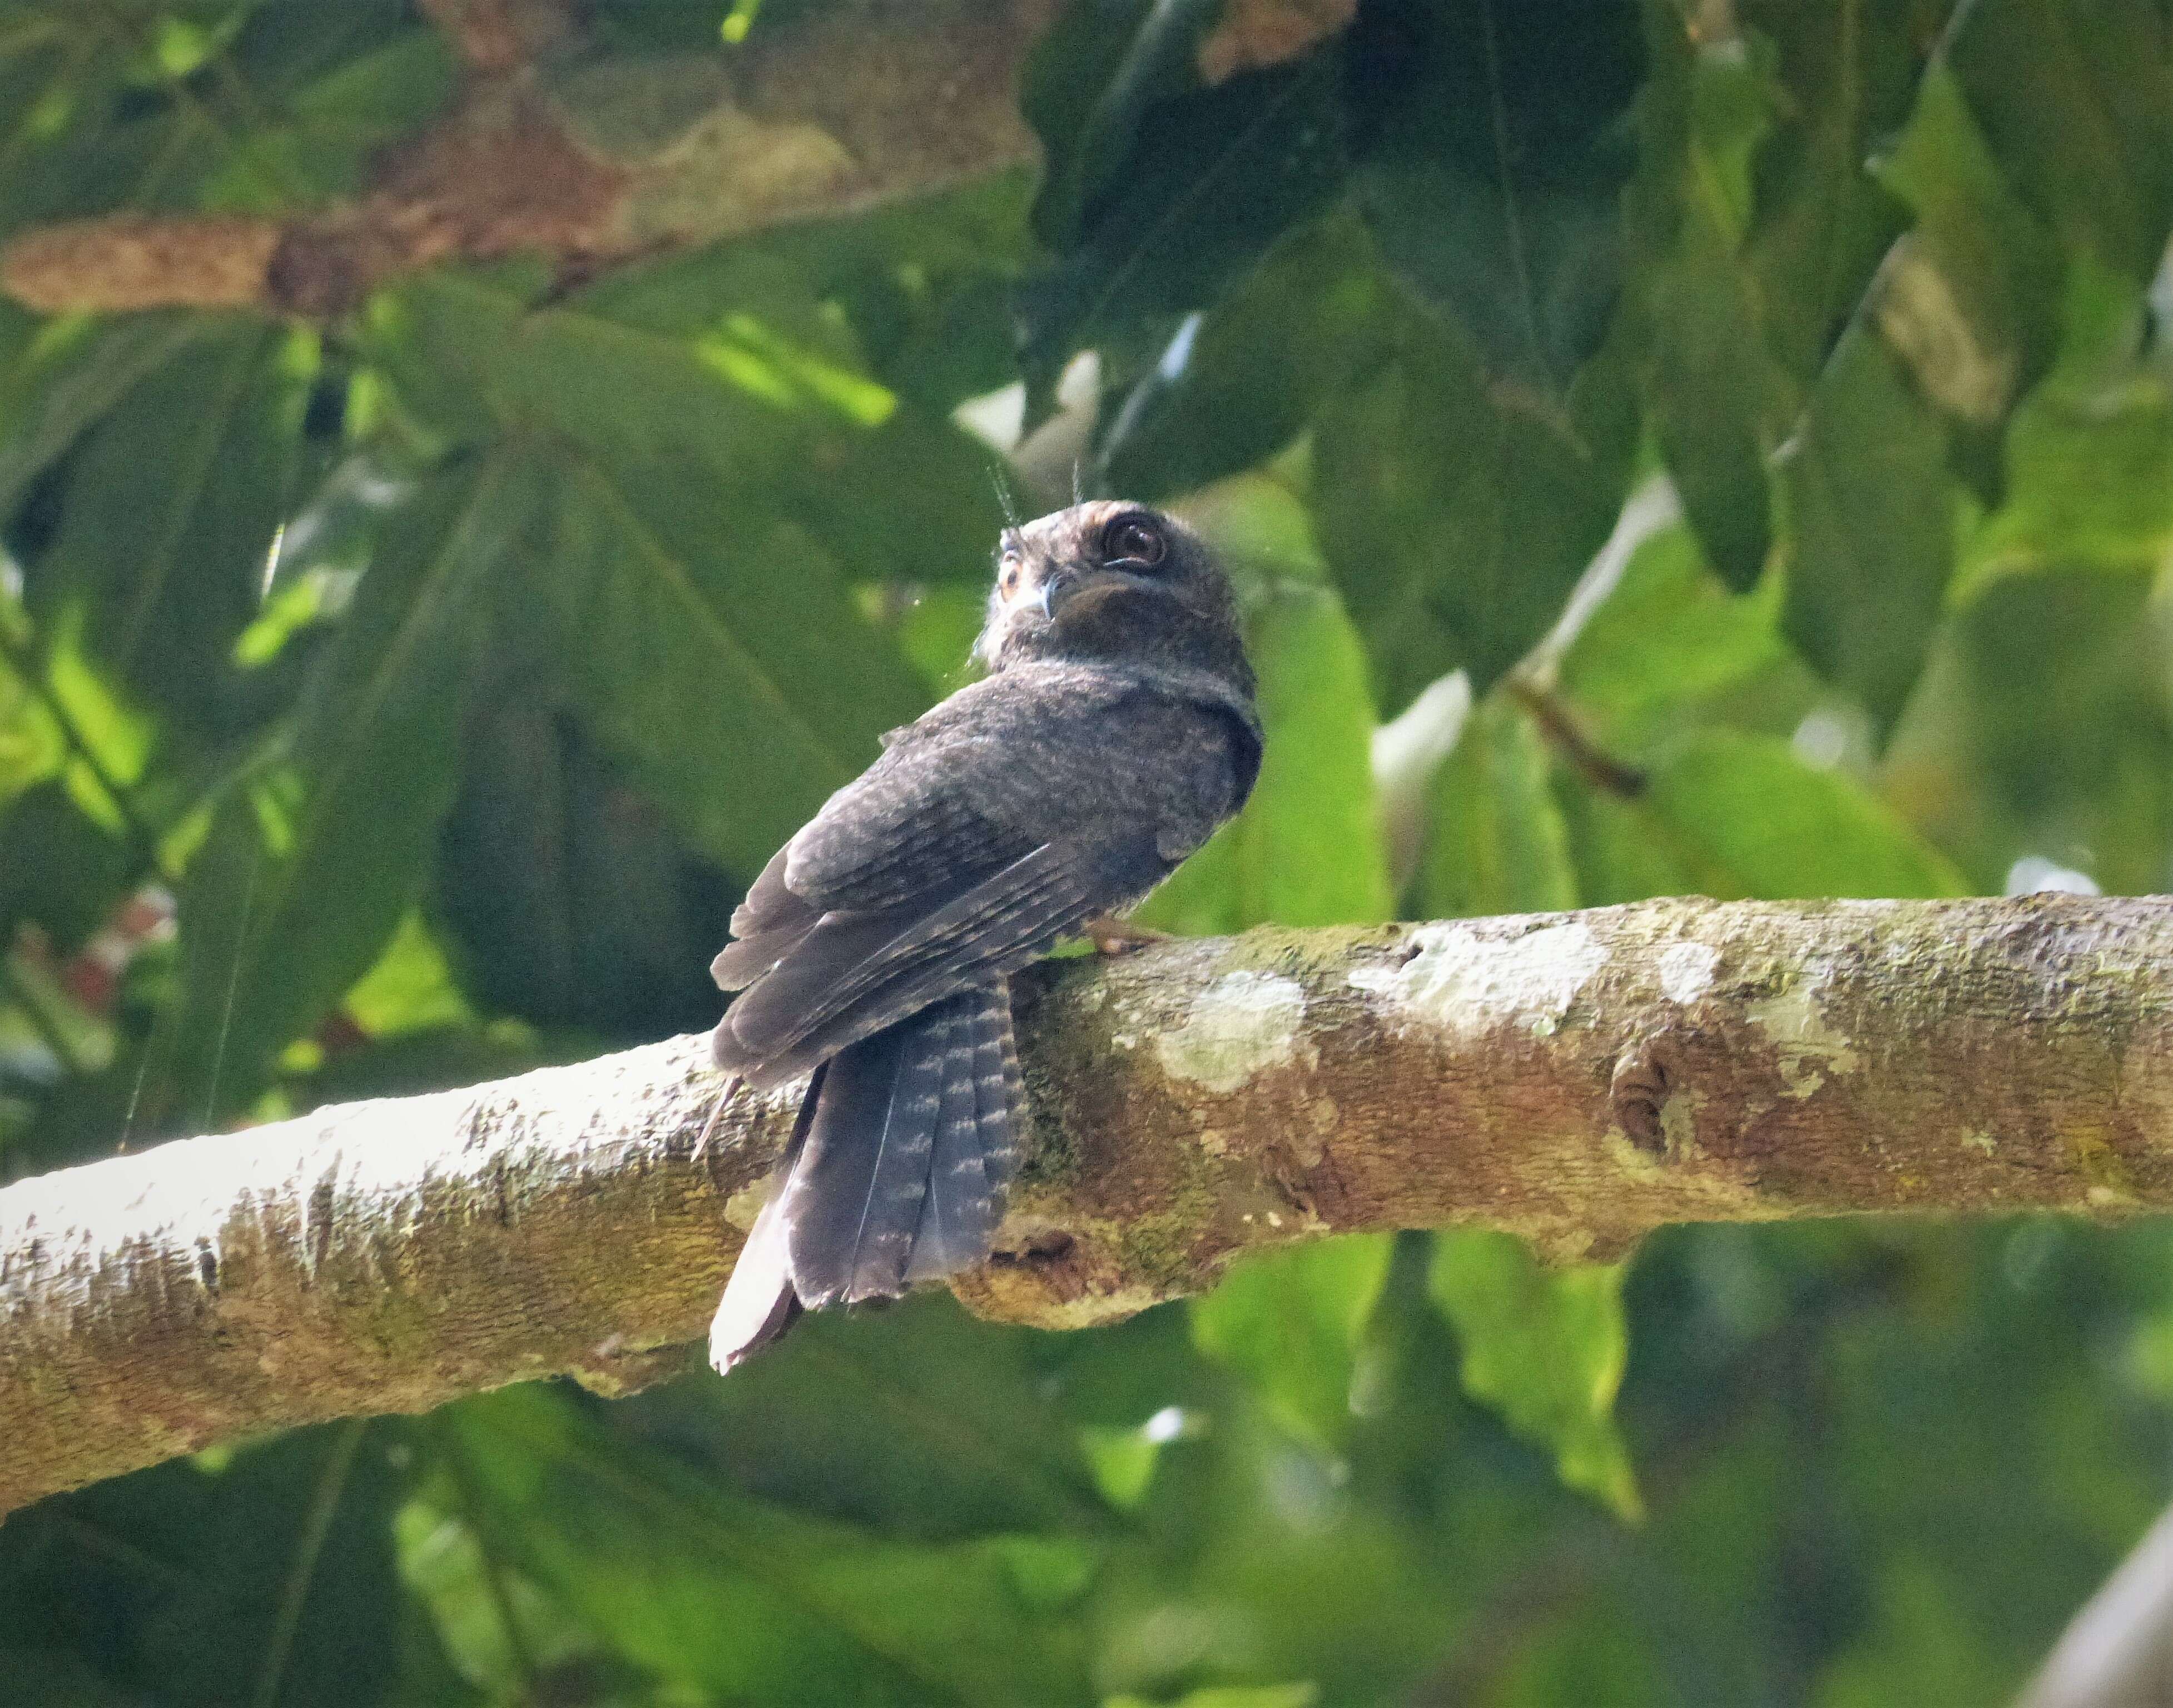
898,1171
760,1302
1001,1139
855,1200
951,1219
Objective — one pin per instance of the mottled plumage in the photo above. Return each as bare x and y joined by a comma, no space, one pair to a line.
1115,730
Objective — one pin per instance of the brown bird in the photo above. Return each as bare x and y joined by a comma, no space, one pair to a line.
1115,729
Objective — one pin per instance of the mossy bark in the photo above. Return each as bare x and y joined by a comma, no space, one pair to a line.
1579,1079
556,149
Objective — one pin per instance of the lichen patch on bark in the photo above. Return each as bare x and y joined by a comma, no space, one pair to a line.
1810,1046
1240,1024
1687,970
1466,981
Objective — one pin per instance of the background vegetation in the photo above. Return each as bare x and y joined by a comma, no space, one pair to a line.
395,698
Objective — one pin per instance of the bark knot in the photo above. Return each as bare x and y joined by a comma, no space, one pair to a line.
1645,1077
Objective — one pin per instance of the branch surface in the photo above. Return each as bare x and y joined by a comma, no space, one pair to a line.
588,158
1578,1078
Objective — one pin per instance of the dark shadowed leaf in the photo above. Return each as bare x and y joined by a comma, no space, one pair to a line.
1213,181
1718,403
644,1553
1491,146
1846,73
310,862
1455,520
2077,103
1258,364
1088,86
74,375
1873,509
194,468
265,1576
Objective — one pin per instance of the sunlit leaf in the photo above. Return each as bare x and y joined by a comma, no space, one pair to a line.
1290,1322
1496,842
1544,1348
193,470
1732,816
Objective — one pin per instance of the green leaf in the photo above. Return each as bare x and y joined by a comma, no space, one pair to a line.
2077,103
2088,452
266,1574
1546,1349
717,655
173,504
1088,85
1290,1324
1258,365
1716,403
1491,154
1212,182
1303,1694
1872,508
60,870
643,1553
920,1453
563,887
389,81
709,637
1974,308
1309,849
1846,73
1747,816
1668,643
2046,729
310,866
1456,521
76,373
1498,843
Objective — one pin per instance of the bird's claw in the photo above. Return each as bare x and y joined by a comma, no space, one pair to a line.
1111,935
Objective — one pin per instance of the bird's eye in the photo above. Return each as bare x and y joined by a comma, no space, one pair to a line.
1007,579
1134,541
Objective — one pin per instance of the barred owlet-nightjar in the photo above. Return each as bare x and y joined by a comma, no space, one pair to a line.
1114,730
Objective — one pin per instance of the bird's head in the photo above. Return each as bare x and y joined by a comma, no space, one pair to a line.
1109,581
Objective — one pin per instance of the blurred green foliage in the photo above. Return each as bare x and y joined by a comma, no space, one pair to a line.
451,666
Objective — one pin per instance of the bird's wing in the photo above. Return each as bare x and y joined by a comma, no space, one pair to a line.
905,836
1006,820
855,973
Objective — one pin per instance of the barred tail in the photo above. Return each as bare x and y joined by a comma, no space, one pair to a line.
897,1173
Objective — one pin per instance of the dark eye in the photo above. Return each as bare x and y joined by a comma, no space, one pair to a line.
1133,541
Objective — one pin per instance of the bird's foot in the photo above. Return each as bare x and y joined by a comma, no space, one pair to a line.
1111,935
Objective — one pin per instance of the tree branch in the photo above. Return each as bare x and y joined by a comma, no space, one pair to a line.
1578,1078
2117,1651
588,160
